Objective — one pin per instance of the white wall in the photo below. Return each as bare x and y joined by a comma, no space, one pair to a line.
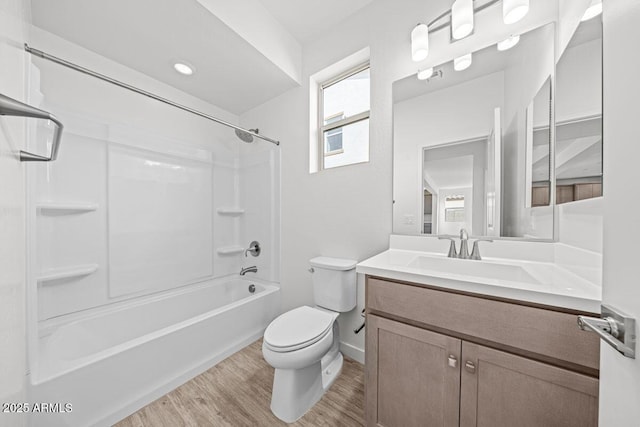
456,113
620,376
14,20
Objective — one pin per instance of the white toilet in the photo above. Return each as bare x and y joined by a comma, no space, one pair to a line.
303,344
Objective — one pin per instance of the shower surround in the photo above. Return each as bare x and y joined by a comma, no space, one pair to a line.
136,236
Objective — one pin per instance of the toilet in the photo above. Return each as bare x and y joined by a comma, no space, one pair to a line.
303,344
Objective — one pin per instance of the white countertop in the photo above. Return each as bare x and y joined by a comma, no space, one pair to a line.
530,281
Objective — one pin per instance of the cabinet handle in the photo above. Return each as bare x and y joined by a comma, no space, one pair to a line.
453,362
470,367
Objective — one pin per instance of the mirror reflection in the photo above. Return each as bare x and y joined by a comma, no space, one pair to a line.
470,146
454,187
578,160
538,166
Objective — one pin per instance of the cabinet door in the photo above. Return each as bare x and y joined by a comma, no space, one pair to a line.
412,376
500,389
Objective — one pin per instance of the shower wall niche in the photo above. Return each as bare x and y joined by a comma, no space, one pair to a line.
144,198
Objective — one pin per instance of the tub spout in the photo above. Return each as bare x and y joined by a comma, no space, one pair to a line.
252,269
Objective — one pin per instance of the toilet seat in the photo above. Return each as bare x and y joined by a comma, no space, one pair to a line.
298,328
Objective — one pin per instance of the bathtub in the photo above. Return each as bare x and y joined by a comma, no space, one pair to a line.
109,362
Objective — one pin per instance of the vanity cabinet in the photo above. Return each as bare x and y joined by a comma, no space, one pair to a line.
437,358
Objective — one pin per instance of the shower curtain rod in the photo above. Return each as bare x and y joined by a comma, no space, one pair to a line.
73,66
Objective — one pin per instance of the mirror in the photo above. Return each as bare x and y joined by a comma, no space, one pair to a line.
538,149
578,159
470,145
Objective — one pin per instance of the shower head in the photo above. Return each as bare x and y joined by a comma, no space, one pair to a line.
246,136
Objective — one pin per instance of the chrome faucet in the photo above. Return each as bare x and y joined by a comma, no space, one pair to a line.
464,248
252,269
475,252
453,252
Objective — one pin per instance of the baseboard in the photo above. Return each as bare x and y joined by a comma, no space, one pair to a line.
176,382
352,352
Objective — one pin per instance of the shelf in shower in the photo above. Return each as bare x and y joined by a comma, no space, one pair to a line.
65,208
230,211
230,250
67,272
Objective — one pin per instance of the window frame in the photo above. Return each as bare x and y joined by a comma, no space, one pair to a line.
322,128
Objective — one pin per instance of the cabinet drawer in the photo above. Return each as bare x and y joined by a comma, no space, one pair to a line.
544,334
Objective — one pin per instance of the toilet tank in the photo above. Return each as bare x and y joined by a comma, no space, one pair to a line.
334,283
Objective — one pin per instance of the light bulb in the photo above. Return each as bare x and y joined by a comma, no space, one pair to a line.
514,10
508,43
462,63
425,74
419,42
461,18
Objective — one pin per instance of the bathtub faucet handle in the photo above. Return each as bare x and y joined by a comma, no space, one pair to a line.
254,249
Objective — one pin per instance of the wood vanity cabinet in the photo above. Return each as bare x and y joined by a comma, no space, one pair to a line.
438,358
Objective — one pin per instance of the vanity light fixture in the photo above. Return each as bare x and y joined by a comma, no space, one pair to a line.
425,74
593,10
514,10
419,42
508,43
183,68
461,18
462,62
461,23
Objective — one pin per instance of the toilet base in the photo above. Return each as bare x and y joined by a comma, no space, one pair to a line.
295,391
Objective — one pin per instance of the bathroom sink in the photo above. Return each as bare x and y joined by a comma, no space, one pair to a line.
478,269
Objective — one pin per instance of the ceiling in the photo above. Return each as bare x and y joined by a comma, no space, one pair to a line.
451,172
305,19
150,35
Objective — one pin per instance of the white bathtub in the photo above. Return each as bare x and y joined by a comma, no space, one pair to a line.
114,360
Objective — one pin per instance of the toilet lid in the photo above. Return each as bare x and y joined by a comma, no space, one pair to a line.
298,328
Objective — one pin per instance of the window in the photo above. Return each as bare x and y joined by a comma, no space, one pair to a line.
344,119
454,209
333,137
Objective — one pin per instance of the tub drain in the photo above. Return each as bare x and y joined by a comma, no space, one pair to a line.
252,288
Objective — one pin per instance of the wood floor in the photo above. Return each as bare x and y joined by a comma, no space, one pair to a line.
237,392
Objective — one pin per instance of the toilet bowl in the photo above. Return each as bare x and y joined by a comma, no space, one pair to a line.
307,362
303,344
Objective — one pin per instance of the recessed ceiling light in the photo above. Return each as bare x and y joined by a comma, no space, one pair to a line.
508,43
183,68
592,11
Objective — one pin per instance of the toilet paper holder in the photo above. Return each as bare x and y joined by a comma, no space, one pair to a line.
359,328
